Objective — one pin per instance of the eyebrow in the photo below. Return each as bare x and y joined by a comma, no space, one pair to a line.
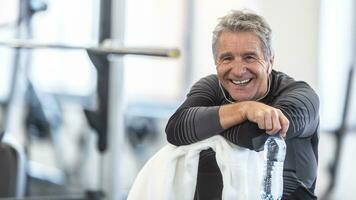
250,53
247,53
225,54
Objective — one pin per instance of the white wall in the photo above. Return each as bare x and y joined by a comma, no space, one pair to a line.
160,23
295,27
8,16
295,34
336,56
155,23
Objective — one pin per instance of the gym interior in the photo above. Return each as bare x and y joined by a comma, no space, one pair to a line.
87,86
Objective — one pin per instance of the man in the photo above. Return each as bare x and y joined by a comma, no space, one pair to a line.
246,101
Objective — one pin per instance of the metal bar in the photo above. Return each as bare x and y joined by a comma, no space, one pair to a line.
105,20
58,197
339,135
2,133
115,50
188,31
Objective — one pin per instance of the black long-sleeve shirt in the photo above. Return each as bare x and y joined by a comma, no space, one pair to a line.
197,119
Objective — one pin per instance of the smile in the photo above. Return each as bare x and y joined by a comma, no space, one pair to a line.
241,82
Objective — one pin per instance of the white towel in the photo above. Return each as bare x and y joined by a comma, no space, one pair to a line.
171,174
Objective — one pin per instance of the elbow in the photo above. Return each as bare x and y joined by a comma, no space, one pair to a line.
173,137
172,141
303,130
170,135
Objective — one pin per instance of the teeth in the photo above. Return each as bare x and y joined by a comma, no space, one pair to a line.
241,82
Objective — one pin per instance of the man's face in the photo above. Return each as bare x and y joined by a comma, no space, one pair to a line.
241,67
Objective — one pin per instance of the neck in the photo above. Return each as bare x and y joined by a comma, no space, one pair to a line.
267,90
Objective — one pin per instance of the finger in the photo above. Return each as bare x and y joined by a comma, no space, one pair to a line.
276,122
284,125
261,122
268,122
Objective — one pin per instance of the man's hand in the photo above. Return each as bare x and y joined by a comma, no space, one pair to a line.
266,117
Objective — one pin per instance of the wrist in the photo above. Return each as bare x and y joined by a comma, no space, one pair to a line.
242,109
233,114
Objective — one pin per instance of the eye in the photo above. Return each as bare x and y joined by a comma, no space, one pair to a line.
249,58
226,59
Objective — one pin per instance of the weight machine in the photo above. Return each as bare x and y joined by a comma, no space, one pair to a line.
98,119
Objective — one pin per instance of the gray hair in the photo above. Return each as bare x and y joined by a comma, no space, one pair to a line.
244,21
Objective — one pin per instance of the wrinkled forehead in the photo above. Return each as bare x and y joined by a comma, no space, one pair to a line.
239,41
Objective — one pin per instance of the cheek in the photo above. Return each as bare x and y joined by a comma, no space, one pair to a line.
261,70
222,70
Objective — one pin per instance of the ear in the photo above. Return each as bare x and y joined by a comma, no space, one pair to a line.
270,64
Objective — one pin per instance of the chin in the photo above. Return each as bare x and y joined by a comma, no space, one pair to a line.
241,98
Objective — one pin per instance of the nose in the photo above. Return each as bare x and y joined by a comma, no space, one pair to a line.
239,68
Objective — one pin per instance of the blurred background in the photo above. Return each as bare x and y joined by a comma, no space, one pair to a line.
72,129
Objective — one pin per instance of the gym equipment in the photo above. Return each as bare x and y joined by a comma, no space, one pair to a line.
340,133
13,157
106,48
12,168
98,54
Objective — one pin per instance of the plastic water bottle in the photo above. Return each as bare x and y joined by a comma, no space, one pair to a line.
274,154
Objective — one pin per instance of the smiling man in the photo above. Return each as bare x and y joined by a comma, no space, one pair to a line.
245,102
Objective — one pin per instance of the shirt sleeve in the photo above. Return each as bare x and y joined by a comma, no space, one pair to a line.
197,118
300,104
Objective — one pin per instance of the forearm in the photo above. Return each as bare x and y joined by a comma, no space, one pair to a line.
193,124
268,118
246,123
248,118
232,114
